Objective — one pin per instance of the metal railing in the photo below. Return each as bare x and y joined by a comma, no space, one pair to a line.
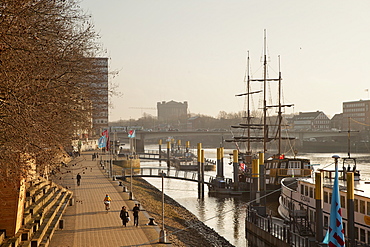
279,231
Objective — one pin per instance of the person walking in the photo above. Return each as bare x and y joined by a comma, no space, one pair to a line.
78,177
124,216
136,210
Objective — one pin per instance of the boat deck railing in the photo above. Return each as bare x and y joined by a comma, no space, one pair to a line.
277,229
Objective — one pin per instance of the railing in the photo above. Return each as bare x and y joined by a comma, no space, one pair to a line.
279,231
166,172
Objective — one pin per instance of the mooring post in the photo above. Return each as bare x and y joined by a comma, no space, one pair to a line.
319,213
160,151
202,172
199,169
168,153
351,209
236,169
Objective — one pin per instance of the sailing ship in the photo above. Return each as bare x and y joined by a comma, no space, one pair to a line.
277,166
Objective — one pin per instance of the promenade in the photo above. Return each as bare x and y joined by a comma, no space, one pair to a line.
87,223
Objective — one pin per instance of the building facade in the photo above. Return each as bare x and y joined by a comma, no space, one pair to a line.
100,99
357,115
311,121
172,111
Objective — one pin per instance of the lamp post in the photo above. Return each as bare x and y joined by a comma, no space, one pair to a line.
130,194
162,234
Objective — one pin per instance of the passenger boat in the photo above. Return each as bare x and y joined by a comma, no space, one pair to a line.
297,201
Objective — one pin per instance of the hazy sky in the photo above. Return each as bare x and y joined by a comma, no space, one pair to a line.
195,51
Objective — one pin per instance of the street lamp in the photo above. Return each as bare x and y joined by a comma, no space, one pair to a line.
162,234
130,194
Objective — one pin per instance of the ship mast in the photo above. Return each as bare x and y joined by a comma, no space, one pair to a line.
265,130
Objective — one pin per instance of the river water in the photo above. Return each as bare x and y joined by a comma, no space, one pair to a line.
227,215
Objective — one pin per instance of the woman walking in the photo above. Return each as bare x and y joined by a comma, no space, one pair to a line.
124,216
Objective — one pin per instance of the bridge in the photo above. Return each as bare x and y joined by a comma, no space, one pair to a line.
158,172
298,134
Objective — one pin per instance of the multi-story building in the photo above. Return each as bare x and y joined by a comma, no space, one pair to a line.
311,121
358,112
100,98
170,111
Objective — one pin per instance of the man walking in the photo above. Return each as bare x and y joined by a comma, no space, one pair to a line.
136,210
78,177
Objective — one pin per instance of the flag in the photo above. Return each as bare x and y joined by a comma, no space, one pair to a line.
335,234
131,134
105,134
102,142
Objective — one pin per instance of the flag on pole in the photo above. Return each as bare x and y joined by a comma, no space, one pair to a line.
335,234
105,135
102,142
131,134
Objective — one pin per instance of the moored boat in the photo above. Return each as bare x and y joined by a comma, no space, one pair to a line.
297,204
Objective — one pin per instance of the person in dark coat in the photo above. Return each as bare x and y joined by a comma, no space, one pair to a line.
136,210
78,177
124,216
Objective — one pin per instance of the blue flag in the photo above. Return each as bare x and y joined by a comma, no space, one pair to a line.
102,143
335,234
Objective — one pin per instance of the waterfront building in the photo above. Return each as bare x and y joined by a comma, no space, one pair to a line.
359,113
311,121
172,111
99,100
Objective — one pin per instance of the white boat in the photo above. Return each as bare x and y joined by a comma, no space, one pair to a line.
297,203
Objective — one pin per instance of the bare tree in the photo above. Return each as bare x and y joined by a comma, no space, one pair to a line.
45,80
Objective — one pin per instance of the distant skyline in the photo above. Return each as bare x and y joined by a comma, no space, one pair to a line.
196,51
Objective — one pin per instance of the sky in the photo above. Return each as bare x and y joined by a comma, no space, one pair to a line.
196,51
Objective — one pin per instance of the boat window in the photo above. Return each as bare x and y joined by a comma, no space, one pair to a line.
344,228
362,207
311,192
362,235
305,191
368,236
330,194
356,233
343,201
356,205
302,189
282,165
326,196
326,220
368,209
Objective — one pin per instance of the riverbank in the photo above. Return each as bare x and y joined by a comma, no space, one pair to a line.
182,227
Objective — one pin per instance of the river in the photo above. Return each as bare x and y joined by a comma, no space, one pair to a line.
227,215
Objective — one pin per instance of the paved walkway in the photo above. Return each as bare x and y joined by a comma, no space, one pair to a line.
86,223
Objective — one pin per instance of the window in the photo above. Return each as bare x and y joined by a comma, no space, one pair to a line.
362,207
311,192
368,209
356,233
362,235
326,197
302,190
343,201
326,221
356,205
368,236
305,191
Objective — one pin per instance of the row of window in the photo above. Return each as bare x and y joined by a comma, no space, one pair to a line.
360,206
348,105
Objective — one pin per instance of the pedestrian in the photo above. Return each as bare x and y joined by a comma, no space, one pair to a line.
124,216
136,210
78,177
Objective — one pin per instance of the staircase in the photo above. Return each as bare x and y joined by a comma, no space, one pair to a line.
44,205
